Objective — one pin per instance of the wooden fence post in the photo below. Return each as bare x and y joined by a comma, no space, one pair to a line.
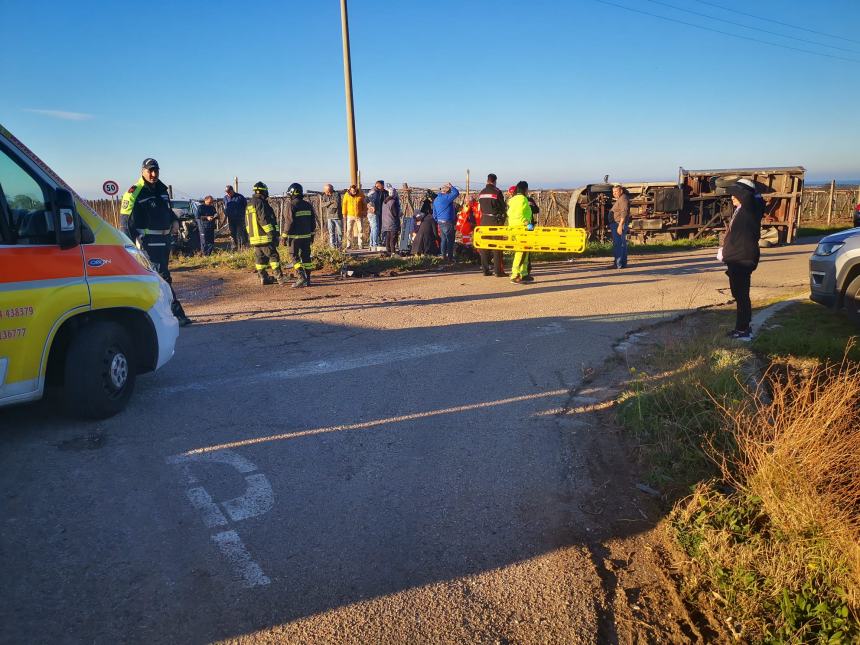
236,184
830,202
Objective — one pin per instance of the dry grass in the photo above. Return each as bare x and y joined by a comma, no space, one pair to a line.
779,551
800,454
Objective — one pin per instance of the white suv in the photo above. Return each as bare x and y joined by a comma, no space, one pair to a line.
834,272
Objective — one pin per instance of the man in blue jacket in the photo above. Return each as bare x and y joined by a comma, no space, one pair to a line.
446,217
375,200
234,208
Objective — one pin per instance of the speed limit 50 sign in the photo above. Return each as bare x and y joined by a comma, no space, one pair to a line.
110,187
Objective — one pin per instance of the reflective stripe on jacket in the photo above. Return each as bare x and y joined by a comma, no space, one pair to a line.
260,221
298,220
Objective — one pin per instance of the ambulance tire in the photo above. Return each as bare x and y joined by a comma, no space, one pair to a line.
100,371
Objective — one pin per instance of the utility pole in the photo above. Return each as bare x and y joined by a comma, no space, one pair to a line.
350,109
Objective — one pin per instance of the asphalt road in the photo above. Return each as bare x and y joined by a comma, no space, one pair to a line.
375,460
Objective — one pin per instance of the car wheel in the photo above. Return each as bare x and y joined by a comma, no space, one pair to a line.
851,302
100,371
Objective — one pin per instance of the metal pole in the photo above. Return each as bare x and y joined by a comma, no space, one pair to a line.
350,109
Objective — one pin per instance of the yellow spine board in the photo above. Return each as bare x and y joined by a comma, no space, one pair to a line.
543,239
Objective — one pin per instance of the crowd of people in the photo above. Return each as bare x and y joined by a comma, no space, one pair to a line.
147,218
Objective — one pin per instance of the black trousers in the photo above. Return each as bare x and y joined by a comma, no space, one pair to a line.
157,248
207,233
301,252
238,232
266,257
498,261
739,282
392,241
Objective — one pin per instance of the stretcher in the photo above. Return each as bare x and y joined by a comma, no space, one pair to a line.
543,239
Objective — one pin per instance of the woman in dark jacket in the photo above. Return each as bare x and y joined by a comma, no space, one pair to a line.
426,239
740,253
391,221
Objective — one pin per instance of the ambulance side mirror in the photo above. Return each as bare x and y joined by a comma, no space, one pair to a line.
67,223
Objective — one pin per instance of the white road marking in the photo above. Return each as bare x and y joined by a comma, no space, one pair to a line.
201,500
234,550
258,499
375,422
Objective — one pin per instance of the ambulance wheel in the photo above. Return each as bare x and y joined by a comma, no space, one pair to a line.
100,371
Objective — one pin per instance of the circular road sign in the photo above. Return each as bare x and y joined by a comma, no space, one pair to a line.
110,187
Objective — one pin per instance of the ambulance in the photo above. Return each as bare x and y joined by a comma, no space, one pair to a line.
82,312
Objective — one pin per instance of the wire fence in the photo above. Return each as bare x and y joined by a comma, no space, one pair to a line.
817,205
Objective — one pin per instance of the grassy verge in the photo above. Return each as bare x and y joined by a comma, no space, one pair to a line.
334,259
324,256
821,230
809,331
772,527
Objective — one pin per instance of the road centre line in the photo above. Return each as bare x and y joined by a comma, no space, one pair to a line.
363,425
329,366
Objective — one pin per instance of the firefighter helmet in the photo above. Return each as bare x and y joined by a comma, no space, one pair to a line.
260,187
295,190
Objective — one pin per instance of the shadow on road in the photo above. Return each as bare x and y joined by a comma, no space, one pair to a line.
395,460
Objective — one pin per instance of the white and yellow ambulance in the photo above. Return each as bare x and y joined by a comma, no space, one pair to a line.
81,310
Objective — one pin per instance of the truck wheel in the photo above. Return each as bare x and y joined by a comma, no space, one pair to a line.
852,300
100,371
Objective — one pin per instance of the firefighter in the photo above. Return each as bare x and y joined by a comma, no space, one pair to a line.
298,223
147,218
263,237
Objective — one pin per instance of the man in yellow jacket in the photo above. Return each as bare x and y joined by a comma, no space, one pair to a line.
520,216
354,209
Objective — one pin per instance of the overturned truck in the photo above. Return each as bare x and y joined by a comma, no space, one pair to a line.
697,205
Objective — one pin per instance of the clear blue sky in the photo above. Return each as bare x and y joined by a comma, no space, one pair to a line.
558,93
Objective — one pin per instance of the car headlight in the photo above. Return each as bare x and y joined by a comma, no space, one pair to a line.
140,256
828,248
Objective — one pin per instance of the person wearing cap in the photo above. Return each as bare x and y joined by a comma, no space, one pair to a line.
206,216
260,223
445,216
740,253
493,213
148,219
354,208
234,208
620,224
759,200
520,216
330,209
